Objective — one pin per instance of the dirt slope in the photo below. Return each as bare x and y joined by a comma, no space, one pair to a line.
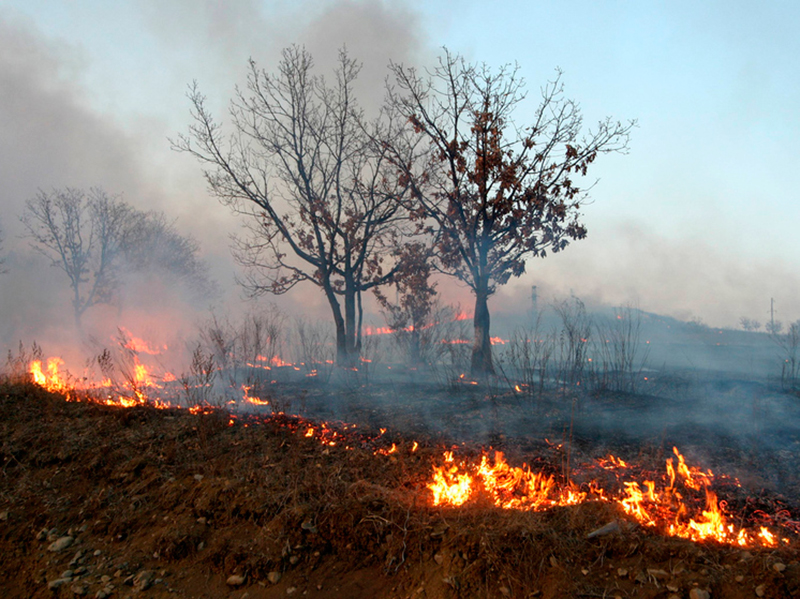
164,503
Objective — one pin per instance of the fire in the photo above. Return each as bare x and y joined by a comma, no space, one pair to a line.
652,504
140,345
53,380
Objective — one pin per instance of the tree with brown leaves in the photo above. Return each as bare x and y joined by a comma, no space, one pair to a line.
322,202
494,193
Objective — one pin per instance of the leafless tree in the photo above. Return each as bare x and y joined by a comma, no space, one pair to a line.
320,199
93,236
498,193
749,324
79,233
151,243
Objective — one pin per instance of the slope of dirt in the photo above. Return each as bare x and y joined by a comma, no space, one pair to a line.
99,501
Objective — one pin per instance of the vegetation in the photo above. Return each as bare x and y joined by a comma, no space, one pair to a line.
496,193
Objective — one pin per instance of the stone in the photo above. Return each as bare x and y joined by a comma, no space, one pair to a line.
739,578
657,573
291,590
761,590
505,591
79,589
294,559
97,553
622,572
67,574
274,577
198,477
438,558
58,582
4,516
673,587
144,580
60,544
235,580
779,566
696,593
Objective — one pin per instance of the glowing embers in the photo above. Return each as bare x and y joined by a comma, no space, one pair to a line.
671,505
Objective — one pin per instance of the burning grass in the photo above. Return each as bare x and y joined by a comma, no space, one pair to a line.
343,510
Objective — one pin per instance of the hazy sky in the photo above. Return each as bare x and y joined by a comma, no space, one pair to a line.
700,219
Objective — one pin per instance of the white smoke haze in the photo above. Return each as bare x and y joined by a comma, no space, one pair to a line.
57,132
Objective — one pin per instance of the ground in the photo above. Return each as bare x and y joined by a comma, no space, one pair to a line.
168,503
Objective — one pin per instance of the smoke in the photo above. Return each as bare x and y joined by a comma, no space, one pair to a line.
685,278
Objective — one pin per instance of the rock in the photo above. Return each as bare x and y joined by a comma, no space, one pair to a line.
673,587
294,559
584,571
291,590
274,577
505,591
67,574
79,589
235,580
58,582
52,534
622,572
97,553
641,577
438,558
41,535
198,477
104,593
696,593
608,529
779,566
60,544
761,590
4,516
144,580
657,573
105,579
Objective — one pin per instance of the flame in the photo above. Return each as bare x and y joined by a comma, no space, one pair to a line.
653,504
53,380
140,345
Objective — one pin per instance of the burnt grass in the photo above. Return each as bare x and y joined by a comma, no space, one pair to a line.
195,499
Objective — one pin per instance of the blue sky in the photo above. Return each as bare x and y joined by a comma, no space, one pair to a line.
699,219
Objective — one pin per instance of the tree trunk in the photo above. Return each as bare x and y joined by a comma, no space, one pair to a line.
482,344
343,355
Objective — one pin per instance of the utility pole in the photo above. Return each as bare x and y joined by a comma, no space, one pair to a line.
772,314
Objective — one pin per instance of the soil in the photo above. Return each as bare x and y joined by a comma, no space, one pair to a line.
168,503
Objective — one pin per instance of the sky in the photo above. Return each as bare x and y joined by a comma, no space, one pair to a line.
697,221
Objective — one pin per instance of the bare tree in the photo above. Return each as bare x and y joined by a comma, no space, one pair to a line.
749,324
93,237
79,233
320,199
151,243
498,193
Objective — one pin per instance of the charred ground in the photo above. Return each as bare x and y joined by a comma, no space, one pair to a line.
169,503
